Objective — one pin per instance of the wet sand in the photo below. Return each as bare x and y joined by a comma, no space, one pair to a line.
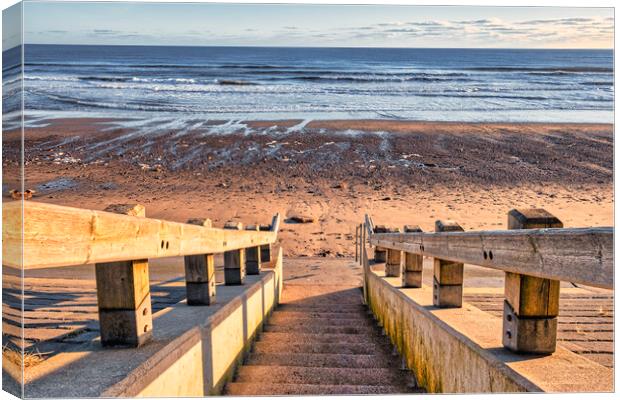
400,172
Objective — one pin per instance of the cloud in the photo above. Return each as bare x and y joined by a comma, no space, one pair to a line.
106,32
560,29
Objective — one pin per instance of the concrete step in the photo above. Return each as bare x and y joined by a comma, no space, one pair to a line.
278,346
282,389
321,293
322,329
317,302
286,320
323,360
331,308
309,313
317,338
321,376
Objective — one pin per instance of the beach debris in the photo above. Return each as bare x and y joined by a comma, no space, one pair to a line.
341,185
26,195
108,186
56,185
299,127
154,168
300,219
300,213
323,253
63,158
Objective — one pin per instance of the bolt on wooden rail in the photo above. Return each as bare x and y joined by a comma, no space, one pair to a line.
536,253
119,241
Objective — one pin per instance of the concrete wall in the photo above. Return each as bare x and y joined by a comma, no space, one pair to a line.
204,359
460,350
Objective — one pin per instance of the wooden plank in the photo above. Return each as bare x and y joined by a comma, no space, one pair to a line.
56,236
580,255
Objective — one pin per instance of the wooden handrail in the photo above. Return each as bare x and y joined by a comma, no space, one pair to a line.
275,224
370,226
580,255
56,236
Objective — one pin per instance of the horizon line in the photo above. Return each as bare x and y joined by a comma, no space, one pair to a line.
314,47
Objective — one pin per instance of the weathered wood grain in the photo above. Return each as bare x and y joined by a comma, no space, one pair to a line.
580,255
57,236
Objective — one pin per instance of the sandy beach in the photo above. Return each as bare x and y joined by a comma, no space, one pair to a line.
330,171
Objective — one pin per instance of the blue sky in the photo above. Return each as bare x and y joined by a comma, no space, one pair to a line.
317,25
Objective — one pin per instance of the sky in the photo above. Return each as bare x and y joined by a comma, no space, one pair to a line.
316,25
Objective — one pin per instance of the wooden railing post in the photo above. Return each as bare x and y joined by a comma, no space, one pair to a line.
265,250
412,273
357,248
200,273
393,263
234,261
123,295
253,255
363,244
531,304
447,275
380,252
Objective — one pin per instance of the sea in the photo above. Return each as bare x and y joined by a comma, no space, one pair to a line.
274,83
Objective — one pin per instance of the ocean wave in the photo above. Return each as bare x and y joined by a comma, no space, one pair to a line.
104,78
377,78
135,79
158,65
51,78
599,83
292,68
555,70
143,105
235,82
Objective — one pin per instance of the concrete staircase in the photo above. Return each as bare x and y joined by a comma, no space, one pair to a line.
321,340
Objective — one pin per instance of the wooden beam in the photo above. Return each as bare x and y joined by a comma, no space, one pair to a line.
393,263
580,255
531,304
252,255
56,236
124,296
413,264
234,260
447,274
200,273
